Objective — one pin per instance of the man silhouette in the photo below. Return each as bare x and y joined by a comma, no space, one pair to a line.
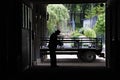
52,47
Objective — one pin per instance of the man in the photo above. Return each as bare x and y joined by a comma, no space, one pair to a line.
52,47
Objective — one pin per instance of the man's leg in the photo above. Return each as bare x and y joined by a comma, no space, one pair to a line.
53,59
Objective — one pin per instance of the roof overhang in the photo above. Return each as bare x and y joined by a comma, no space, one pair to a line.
68,1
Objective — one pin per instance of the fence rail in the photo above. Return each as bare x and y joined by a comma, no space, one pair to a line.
81,43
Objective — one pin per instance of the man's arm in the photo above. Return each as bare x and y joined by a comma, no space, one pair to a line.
60,43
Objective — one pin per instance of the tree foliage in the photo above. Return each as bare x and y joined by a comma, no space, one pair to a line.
100,25
88,32
76,34
94,9
97,10
57,14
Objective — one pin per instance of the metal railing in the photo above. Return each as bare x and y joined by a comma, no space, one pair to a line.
79,43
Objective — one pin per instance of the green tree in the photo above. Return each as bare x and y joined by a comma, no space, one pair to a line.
76,34
94,9
57,14
97,9
88,32
100,25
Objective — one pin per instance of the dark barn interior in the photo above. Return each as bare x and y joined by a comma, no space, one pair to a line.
17,63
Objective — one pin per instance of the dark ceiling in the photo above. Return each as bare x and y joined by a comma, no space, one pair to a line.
67,1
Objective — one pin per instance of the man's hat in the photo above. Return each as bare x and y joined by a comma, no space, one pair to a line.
57,31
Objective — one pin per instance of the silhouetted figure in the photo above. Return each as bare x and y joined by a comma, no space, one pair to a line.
52,46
